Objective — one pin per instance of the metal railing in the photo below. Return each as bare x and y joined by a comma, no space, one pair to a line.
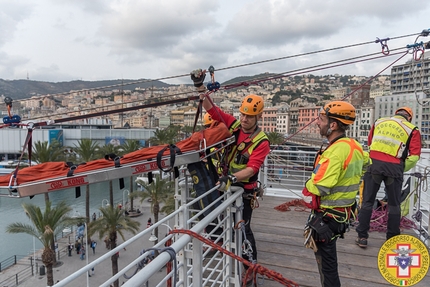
284,174
196,263
19,277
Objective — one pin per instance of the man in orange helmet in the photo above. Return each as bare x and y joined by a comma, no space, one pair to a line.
207,120
395,147
246,155
332,188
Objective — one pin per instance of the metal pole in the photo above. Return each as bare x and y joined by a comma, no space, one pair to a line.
87,252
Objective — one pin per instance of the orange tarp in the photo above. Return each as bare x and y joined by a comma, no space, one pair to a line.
216,133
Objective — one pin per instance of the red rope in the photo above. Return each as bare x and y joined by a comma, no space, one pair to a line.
253,268
298,203
379,220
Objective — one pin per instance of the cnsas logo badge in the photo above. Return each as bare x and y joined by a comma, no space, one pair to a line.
403,260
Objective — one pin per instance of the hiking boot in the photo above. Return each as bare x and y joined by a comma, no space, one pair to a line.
362,242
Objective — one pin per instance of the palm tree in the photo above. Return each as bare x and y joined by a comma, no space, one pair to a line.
106,150
166,136
159,191
45,152
87,151
112,223
44,226
128,147
275,138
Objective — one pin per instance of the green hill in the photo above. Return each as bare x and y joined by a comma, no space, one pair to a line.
22,89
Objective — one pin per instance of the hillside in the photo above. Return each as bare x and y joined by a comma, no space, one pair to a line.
22,89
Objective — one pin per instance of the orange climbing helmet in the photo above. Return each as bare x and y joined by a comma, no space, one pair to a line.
341,111
207,119
406,109
252,105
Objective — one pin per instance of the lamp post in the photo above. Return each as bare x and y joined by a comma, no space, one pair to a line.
123,200
86,246
107,202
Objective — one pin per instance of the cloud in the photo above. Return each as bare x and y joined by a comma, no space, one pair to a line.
12,13
143,29
272,23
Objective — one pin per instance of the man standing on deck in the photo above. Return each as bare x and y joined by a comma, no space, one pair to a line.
395,147
247,154
332,188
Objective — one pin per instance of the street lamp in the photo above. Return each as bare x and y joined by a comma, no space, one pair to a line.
123,200
86,246
154,238
107,202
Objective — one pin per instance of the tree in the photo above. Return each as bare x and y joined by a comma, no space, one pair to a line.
128,147
112,223
275,138
167,136
44,226
87,151
157,192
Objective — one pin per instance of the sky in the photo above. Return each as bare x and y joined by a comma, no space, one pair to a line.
67,40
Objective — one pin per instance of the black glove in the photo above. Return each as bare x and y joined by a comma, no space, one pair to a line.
224,183
198,76
322,232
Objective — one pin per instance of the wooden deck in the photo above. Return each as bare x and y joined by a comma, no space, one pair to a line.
280,247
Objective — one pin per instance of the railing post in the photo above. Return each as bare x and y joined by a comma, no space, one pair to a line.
16,279
37,265
14,259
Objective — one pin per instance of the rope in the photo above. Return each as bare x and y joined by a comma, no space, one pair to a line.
253,268
298,203
379,220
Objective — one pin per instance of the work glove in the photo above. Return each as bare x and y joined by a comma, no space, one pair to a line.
311,200
198,76
224,183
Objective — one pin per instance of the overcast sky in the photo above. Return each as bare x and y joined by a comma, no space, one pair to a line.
66,40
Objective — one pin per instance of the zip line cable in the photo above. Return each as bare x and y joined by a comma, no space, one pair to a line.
226,68
348,95
230,86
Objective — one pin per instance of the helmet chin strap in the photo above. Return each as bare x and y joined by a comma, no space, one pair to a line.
329,130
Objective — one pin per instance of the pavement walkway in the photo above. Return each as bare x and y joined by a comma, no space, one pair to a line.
102,272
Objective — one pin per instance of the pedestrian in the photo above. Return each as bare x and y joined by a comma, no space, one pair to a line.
70,249
93,246
332,188
94,216
395,147
246,155
149,223
83,253
78,246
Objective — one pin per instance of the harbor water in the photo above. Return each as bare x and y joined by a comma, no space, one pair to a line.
11,211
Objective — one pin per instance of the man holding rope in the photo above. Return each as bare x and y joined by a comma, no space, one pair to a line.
247,154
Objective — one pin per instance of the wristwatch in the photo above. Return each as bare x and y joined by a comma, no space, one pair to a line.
233,179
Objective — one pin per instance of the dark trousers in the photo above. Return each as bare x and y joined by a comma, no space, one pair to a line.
393,188
326,257
247,214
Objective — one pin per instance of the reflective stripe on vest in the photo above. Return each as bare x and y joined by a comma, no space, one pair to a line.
235,167
390,136
343,193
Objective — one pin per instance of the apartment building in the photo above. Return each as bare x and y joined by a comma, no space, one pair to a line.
269,119
306,121
412,76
